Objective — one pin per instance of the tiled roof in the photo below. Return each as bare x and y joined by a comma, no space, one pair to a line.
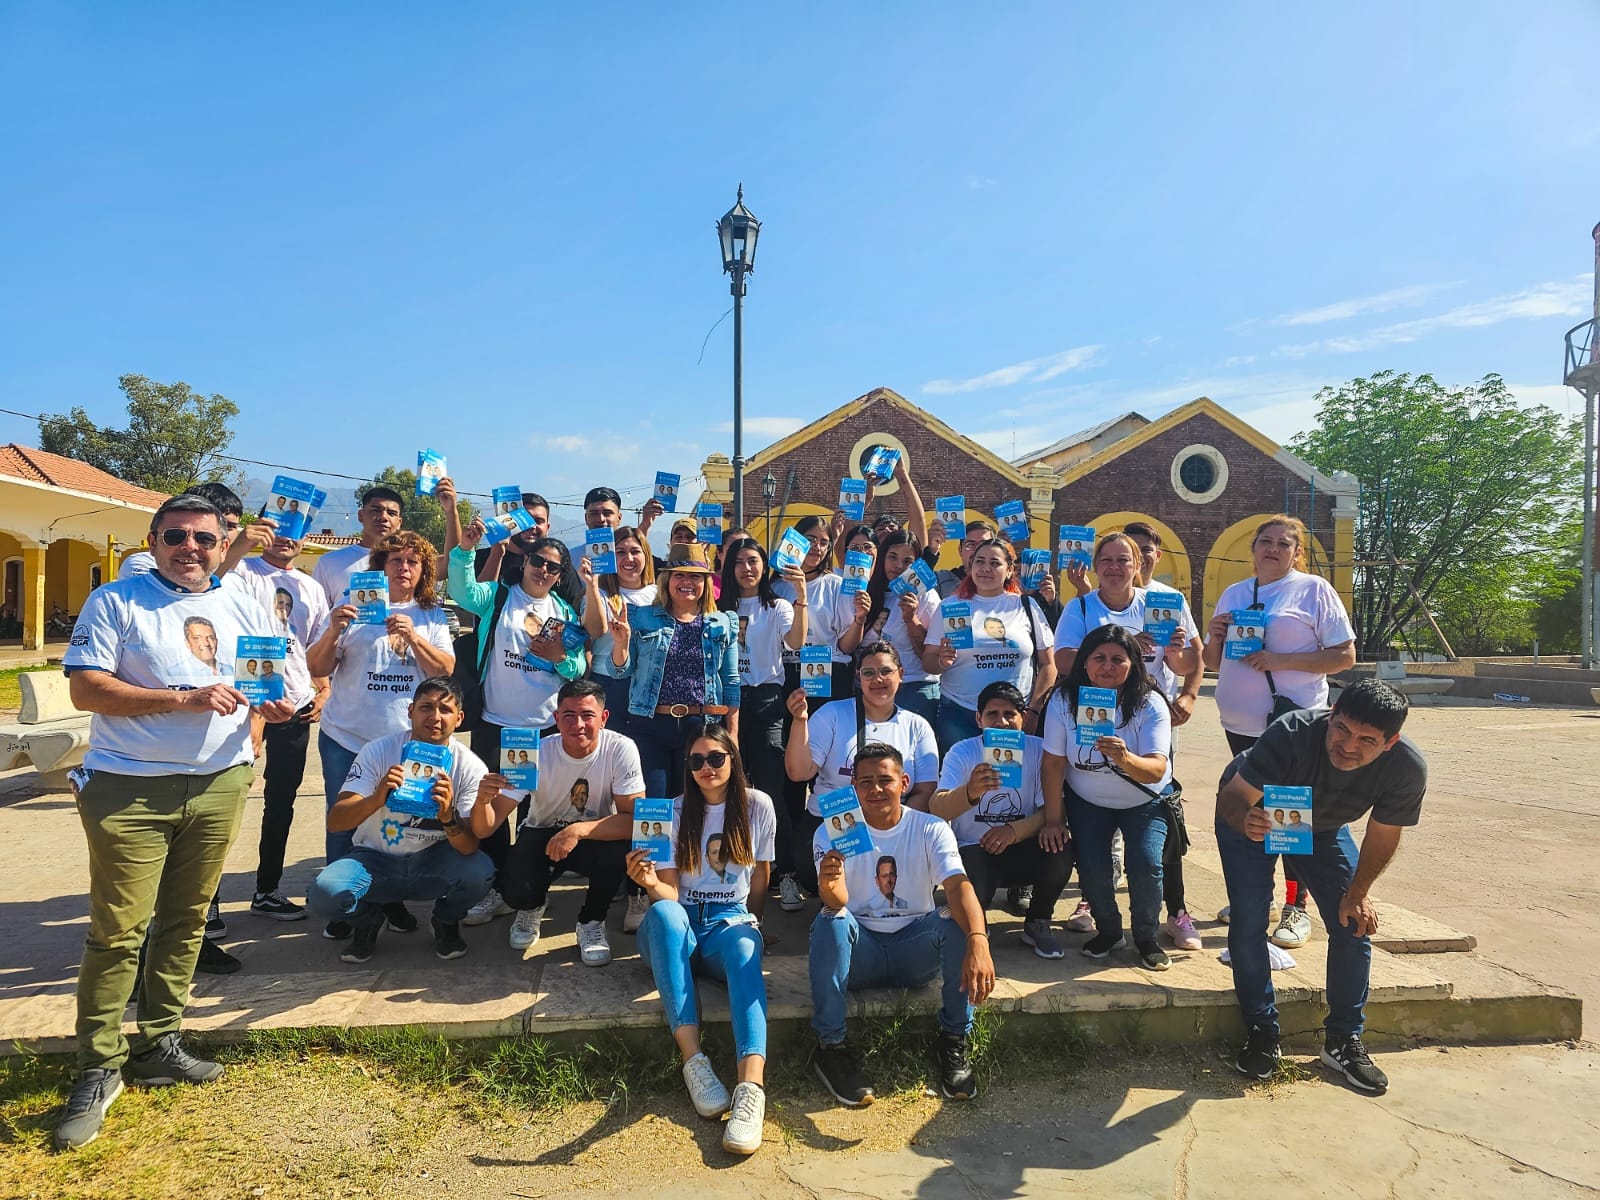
331,540
40,466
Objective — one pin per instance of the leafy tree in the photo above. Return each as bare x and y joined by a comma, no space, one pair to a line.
1469,491
176,437
423,514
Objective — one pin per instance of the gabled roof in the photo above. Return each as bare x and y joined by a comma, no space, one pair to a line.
68,474
1077,439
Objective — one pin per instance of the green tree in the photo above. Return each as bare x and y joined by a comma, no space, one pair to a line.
423,514
1456,485
176,437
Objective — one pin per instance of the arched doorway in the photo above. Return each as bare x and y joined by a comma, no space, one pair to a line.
1174,569
1229,561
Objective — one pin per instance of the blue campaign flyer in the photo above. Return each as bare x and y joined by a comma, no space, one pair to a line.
853,499
1161,612
816,671
846,824
1097,714
708,524
881,463
792,549
430,469
498,529
1074,546
1002,750
289,505
570,634
652,829
1247,633
420,763
369,592
258,667
1035,566
915,580
951,513
667,490
857,570
1012,517
1290,810
957,615
519,758
318,499
505,500
602,546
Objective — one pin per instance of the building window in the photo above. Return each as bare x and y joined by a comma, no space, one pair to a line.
1199,473
862,450
94,576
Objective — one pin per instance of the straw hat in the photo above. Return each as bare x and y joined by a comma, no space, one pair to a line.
692,558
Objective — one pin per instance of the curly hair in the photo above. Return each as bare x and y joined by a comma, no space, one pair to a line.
426,594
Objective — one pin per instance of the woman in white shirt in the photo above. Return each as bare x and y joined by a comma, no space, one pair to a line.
904,622
1111,783
634,582
707,919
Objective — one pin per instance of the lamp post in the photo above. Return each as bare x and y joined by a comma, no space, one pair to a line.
769,492
738,231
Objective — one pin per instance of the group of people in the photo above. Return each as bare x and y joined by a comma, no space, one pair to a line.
685,685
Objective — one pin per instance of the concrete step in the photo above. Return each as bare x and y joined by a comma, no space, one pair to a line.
1557,674
1538,691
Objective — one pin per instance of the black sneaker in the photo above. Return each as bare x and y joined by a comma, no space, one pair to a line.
214,960
363,942
399,918
957,1080
841,1074
1018,899
337,931
1351,1059
216,927
447,940
94,1091
1260,1055
166,1062
1102,944
275,906
1152,957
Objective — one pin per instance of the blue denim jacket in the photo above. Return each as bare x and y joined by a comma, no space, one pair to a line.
647,657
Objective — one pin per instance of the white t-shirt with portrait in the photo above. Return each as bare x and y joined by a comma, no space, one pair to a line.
1003,648
148,633
893,885
761,633
519,688
828,613
1004,804
716,881
142,562
296,614
405,833
376,675
584,789
1303,613
1089,775
890,626
831,734
1081,614
333,570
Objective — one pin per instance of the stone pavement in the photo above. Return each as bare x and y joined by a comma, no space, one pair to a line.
292,977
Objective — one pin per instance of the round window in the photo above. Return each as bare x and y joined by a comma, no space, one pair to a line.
1198,473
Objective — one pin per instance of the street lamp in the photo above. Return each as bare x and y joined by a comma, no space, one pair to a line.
769,492
738,231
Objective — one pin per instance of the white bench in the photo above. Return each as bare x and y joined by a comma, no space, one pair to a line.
1413,686
50,734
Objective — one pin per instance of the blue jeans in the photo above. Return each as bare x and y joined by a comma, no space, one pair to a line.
921,697
845,956
336,761
678,941
953,724
357,886
1326,872
1144,832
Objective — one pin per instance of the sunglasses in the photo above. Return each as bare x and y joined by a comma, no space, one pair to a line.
876,672
717,759
177,537
548,566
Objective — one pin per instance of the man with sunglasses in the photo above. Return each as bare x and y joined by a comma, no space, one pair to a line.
161,794
381,514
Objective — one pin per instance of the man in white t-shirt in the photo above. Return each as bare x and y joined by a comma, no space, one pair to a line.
161,793
580,820
400,856
878,928
381,513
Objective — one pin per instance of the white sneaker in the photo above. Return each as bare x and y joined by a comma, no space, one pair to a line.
638,905
790,899
487,909
592,945
1294,928
746,1121
706,1092
1081,920
525,928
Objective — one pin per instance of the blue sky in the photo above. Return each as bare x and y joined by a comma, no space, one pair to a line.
488,228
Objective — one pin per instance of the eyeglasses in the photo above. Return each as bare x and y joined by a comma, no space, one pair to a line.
875,672
177,537
548,566
717,759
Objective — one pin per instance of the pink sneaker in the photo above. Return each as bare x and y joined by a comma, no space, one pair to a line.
1182,932
1081,921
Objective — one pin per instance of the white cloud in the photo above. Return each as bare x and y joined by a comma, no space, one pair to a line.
1035,370
566,443
1343,310
767,427
977,183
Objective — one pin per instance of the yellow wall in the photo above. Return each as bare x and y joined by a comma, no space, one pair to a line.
66,568
1173,570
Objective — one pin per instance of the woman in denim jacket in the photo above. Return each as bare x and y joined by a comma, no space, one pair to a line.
683,657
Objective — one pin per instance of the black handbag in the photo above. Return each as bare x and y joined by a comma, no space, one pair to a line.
1280,704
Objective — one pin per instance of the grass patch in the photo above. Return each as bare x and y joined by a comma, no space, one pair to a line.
11,689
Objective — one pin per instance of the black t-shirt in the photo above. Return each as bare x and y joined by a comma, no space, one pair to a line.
1293,752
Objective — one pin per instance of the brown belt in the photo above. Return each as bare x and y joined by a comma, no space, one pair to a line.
692,710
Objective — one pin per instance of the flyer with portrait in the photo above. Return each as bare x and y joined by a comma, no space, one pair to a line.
881,463
1035,566
369,592
1097,714
708,524
430,469
1002,750
602,547
570,634
792,549
857,570
289,506
318,499
1161,612
951,513
498,529
519,758
914,581
667,490
505,500
1290,811
1074,546
420,764
853,499
652,830
957,615
1012,517
1247,633
816,671
258,668
845,822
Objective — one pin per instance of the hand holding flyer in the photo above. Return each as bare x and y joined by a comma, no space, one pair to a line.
519,759
1002,750
258,668
1290,811
369,592
857,570
881,463
421,763
430,469
602,547
1161,610
289,506
792,549
708,524
853,499
1247,633
667,490
845,822
915,580
957,616
1012,517
1035,566
1075,547
816,671
1097,714
652,830
951,512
